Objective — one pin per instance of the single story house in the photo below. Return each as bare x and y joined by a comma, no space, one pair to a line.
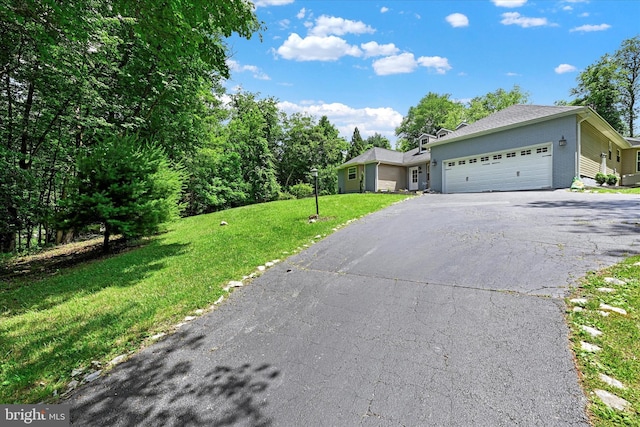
522,147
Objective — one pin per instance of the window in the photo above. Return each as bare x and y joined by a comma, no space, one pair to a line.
617,155
484,159
525,152
462,162
352,173
542,150
497,156
510,155
473,160
414,176
637,161
451,164
609,150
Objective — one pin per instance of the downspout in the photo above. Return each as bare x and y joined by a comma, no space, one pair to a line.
579,143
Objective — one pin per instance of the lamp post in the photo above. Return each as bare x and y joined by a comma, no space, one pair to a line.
314,173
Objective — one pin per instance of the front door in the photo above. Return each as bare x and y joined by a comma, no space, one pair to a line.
413,178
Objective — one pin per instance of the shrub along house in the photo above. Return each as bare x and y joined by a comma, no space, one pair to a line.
523,147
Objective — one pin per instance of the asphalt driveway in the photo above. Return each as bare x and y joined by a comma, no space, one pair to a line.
441,310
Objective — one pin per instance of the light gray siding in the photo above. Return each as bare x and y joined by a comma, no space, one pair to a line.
550,131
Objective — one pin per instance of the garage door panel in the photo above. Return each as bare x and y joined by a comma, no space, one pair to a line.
522,169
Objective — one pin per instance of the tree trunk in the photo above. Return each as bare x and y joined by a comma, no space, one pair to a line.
107,234
8,238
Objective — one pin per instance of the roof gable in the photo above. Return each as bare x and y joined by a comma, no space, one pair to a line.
376,154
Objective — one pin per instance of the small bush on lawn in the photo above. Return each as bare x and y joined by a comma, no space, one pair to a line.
612,179
301,191
283,195
601,178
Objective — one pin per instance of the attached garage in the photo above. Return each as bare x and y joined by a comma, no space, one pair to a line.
523,168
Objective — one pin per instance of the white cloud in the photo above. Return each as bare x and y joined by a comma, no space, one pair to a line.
512,74
441,65
265,3
301,13
590,28
314,48
565,68
284,24
457,20
384,9
406,63
509,3
395,64
567,8
584,15
331,25
235,66
382,120
374,49
514,18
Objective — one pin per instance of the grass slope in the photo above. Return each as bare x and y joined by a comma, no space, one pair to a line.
619,357
109,307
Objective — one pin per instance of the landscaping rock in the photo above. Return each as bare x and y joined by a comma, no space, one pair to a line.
199,311
606,290
219,300
77,372
603,313
611,381
611,400
591,348
591,331
235,284
189,318
72,385
614,281
223,223
261,268
269,264
156,337
579,301
92,376
117,359
578,309
618,310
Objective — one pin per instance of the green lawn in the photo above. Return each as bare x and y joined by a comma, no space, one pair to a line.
615,190
619,357
109,307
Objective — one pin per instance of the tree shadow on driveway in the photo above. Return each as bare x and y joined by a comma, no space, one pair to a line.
614,217
176,383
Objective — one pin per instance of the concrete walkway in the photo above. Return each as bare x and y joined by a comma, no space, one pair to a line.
442,310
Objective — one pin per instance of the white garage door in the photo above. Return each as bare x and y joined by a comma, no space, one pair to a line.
525,168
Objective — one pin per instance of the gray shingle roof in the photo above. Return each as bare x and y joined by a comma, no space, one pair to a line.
510,116
413,157
377,154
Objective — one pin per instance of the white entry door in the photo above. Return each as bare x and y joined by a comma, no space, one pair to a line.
413,178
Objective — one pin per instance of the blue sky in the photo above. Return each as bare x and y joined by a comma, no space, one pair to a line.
365,62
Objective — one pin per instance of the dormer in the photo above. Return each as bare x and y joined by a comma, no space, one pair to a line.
423,140
442,132
461,125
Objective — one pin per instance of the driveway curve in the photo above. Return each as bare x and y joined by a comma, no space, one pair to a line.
441,310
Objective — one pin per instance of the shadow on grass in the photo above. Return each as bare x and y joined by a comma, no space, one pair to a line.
119,270
176,383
